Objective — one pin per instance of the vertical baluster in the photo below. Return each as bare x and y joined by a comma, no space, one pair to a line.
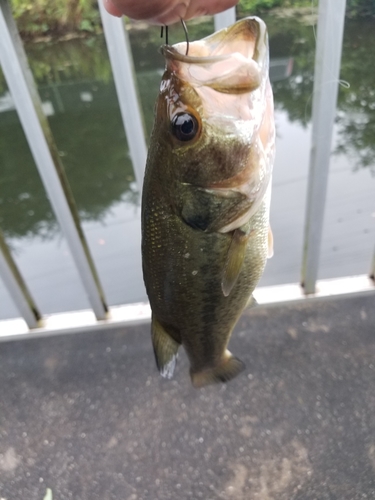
326,80
225,18
124,76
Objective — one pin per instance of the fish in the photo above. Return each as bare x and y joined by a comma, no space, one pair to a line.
206,197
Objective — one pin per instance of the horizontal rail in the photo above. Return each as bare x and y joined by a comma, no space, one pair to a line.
133,314
39,136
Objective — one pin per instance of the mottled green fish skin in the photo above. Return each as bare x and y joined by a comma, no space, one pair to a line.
183,266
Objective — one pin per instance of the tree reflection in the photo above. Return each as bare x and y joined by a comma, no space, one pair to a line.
357,103
356,108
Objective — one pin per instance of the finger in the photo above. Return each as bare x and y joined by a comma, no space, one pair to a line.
111,8
155,11
172,15
208,7
193,8
166,11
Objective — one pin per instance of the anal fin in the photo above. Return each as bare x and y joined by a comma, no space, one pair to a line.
252,302
228,369
165,349
234,261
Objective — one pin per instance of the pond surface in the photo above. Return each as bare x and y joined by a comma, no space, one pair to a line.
75,83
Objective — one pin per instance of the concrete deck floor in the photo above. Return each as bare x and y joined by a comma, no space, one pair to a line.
88,416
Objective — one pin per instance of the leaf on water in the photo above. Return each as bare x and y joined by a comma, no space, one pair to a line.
48,495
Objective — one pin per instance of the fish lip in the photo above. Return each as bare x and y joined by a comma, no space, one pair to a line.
171,53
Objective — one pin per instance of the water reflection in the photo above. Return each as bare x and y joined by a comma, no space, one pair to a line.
356,101
99,176
357,104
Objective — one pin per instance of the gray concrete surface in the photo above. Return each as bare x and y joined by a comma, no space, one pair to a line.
89,417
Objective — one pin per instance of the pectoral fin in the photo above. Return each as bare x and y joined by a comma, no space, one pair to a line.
270,243
234,261
165,349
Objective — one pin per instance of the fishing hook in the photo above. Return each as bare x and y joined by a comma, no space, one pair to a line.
185,31
186,36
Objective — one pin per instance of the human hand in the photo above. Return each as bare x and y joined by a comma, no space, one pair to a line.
166,11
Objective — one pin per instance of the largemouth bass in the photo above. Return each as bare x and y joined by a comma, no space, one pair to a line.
206,197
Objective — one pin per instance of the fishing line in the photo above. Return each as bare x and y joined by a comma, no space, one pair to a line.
166,33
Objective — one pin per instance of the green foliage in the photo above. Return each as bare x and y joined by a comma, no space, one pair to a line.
41,17
249,7
354,8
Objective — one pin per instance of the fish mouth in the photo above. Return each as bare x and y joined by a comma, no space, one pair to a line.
170,52
247,37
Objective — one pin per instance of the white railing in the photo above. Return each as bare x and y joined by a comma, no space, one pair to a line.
23,89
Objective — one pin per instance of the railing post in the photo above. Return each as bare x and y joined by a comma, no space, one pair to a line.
326,80
17,287
39,136
121,59
225,18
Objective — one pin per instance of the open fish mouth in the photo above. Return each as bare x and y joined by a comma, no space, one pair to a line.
247,37
234,60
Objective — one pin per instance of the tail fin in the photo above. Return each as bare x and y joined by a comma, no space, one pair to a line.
229,368
165,349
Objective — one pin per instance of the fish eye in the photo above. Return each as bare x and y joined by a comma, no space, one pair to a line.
184,126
